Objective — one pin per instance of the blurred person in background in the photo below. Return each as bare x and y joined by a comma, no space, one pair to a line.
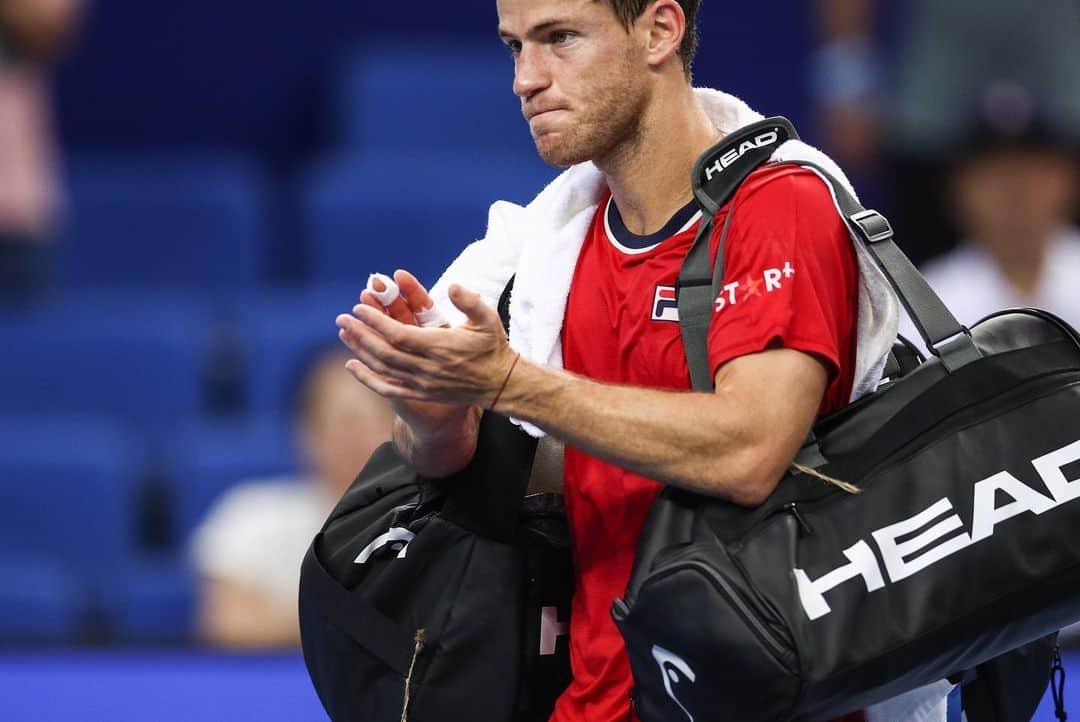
1013,194
247,552
895,118
32,32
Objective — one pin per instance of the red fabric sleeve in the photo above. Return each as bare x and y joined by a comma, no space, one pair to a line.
790,275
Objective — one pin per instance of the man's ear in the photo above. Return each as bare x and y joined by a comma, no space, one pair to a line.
664,25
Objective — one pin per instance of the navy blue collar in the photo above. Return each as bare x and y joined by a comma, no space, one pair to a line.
623,237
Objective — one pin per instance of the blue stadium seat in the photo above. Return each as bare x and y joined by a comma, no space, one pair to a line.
429,96
40,602
183,220
148,601
130,356
67,489
281,330
209,458
408,209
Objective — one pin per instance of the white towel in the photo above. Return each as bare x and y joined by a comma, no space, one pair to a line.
540,242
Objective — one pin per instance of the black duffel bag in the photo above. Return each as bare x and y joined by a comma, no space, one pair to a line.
434,600
963,544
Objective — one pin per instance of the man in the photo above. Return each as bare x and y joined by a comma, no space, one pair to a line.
248,550
911,106
1014,193
608,81
32,32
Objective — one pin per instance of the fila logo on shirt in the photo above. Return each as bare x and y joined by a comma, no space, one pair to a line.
736,292
907,547
665,305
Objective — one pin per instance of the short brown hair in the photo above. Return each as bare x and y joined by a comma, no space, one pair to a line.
630,10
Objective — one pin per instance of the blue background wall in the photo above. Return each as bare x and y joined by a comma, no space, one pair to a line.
255,74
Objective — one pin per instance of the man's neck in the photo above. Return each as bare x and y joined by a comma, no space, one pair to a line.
649,175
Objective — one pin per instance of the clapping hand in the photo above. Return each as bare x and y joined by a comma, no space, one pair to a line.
431,375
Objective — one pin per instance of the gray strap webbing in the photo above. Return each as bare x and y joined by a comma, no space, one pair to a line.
693,292
699,285
716,176
943,334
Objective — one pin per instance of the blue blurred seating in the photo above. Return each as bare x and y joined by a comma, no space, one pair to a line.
148,601
281,328
136,357
208,458
430,96
409,209
67,489
182,219
40,601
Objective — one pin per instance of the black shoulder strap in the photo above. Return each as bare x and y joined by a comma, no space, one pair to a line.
718,173
486,496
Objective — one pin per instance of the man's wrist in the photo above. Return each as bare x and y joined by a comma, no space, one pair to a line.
530,387
453,425
437,451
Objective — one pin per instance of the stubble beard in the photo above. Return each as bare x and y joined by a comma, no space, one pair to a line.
611,120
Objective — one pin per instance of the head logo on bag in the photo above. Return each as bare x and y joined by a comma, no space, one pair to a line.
903,559
397,538
674,669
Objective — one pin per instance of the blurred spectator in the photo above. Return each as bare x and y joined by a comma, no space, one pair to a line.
914,110
847,82
1013,192
32,32
249,549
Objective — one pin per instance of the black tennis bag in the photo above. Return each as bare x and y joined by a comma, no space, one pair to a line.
963,544
429,601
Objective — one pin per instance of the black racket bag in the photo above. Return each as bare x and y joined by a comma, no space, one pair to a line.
428,601
962,544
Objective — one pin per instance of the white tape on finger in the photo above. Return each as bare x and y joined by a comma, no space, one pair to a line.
390,292
431,318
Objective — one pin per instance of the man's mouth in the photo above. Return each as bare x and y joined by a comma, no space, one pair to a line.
533,114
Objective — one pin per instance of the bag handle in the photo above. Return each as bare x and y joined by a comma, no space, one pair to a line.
718,173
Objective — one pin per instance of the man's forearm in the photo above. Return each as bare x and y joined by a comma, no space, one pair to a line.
440,451
698,441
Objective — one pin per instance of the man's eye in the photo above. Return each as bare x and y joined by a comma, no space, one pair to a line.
559,37
513,47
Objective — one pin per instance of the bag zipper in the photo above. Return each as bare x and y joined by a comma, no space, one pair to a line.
793,508
775,646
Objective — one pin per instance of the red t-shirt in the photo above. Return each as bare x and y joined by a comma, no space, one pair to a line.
791,280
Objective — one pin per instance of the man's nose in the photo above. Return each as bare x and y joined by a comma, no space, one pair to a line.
530,71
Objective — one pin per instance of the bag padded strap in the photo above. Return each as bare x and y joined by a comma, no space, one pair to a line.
719,172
